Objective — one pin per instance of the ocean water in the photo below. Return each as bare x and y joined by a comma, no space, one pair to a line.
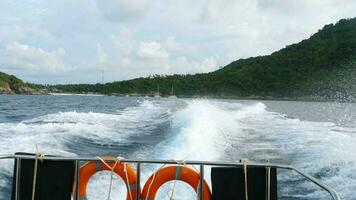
317,137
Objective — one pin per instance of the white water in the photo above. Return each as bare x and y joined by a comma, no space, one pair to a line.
193,129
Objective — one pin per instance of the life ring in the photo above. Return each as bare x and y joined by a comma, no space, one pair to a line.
181,173
92,167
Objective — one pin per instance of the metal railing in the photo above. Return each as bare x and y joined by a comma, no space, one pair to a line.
202,164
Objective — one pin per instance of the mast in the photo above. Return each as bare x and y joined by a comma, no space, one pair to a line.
102,81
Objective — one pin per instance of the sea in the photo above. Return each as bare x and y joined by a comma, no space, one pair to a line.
319,138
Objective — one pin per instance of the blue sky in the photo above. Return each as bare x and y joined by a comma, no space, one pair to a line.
72,41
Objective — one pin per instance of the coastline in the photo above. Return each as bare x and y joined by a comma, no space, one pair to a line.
262,98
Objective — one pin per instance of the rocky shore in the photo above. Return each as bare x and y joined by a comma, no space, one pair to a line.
10,84
7,89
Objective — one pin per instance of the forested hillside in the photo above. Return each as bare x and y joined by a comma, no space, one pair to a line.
12,84
321,67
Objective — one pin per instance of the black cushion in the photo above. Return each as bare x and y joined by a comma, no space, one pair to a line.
54,179
229,183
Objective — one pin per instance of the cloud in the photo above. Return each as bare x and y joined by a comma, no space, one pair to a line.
173,46
11,32
182,65
137,38
101,57
121,10
123,69
152,57
152,51
207,65
25,57
123,41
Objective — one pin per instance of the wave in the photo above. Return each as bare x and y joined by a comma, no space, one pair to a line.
193,130
102,128
203,130
69,133
221,131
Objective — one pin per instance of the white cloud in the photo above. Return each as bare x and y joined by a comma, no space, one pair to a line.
22,56
138,38
123,69
258,27
152,51
101,57
155,57
207,65
121,10
182,65
11,32
123,41
173,46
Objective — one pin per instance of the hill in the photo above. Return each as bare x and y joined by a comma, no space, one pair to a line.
11,84
320,67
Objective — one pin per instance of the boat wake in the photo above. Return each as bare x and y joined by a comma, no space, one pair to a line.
191,129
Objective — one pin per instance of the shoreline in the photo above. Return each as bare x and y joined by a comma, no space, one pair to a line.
256,98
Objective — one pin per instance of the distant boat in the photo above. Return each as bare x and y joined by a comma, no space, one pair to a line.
172,93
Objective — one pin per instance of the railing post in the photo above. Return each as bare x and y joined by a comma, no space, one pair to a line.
268,183
138,178
76,181
201,182
18,171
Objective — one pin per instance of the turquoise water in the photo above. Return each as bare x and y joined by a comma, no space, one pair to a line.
319,138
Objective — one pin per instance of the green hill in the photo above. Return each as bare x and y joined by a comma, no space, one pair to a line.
12,84
321,67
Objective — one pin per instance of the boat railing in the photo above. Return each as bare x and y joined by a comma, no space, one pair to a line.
334,195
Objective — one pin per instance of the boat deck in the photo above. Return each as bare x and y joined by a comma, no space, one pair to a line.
202,164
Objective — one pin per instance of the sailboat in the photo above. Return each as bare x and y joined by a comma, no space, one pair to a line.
157,94
172,93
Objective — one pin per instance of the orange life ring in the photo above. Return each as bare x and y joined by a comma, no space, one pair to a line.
170,173
92,167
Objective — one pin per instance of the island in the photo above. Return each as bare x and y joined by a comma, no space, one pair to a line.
10,84
322,67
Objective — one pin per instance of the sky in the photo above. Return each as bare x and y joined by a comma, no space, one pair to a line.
78,41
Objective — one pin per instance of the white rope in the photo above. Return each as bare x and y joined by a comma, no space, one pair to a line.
117,160
172,190
196,170
245,173
198,187
127,182
179,163
153,178
39,156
